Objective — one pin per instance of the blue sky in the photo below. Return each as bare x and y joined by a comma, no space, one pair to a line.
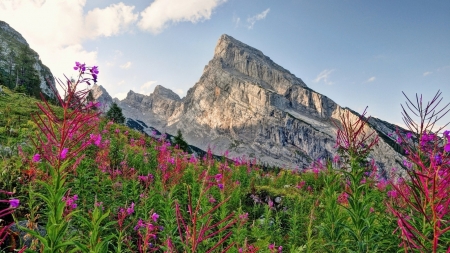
358,53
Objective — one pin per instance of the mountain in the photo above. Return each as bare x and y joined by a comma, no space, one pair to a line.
21,67
246,104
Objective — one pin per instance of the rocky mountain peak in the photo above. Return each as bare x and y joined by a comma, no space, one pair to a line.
101,95
251,64
164,92
247,105
13,33
15,53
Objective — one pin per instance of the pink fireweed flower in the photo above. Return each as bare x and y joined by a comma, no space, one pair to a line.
155,217
243,217
130,210
70,201
14,203
220,186
212,199
392,194
301,184
63,154
80,66
218,177
140,224
407,164
280,249
96,138
343,198
446,134
272,246
36,158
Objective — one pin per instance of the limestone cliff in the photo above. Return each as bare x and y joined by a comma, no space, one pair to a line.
246,104
21,67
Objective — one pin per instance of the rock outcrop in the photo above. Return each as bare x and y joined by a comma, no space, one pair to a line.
101,96
247,105
15,54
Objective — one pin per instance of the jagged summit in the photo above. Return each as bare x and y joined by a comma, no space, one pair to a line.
242,59
13,33
13,43
247,105
167,93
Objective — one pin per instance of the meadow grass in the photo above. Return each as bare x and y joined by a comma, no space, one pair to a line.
97,186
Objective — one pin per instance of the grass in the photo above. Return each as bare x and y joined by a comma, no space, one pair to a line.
127,192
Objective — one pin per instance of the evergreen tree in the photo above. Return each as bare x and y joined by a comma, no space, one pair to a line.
179,140
26,75
115,114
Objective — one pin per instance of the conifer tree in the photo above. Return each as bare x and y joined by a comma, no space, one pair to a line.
179,140
115,114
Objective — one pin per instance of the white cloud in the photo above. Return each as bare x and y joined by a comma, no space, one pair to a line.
122,82
370,79
180,92
145,88
120,95
260,16
427,73
126,65
324,75
109,21
161,13
236,21
57,29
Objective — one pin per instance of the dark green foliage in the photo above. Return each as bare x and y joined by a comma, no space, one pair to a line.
179,140
115,114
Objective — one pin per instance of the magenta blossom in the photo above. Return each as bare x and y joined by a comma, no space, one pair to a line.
14,203
63,154
80,66
155,217
36,158
130,210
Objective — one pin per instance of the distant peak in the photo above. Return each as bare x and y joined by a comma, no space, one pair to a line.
168,93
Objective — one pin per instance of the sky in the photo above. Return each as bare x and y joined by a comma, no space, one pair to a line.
358,53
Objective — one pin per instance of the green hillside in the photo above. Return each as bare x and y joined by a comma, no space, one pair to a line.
97,186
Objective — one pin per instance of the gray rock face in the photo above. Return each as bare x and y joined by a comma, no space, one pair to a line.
12,44
247,105
101,95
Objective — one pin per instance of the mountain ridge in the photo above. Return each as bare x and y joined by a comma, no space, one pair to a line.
245,104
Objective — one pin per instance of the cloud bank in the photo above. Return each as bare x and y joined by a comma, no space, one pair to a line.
56,29
161,13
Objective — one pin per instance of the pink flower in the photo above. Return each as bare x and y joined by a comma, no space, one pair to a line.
14,203
63,154
36,158
130,210
140,224
272,246
392,194
96,138
447,147
80,66
244,216
155,217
